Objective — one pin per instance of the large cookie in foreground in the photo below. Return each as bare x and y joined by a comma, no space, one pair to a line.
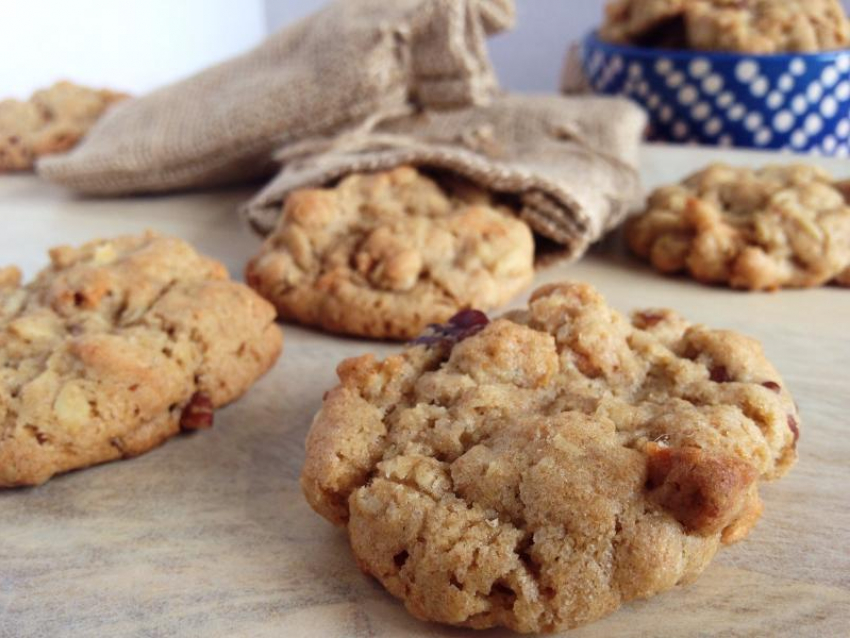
116,347
778,227
383,255
541,470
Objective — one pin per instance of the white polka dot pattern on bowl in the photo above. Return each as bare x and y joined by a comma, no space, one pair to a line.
796,102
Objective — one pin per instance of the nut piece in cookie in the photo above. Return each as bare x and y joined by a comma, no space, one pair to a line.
52,121
551,466
778,227
383,255
117,346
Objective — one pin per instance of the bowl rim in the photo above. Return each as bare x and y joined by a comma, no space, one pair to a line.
633,51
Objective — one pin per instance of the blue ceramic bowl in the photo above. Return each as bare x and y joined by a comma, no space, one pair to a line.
799,102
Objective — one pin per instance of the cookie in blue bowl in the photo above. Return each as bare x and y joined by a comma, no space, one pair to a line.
772,75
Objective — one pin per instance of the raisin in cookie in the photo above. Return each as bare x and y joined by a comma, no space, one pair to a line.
117,346
757,26
383,255
52,121
541,470
782,226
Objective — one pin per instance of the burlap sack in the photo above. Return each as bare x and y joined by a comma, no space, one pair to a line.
350,60
570,162
573,79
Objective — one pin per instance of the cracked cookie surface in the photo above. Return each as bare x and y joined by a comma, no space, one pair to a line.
383,255
538,472
117,346
53,120
756,26
778,227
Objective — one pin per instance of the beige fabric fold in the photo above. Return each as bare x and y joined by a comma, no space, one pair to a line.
569,162
350,60
573,79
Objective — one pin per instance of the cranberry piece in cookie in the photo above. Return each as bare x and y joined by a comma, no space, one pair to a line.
198,413
459,327
794,427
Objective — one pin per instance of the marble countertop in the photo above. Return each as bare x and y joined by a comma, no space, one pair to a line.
209,535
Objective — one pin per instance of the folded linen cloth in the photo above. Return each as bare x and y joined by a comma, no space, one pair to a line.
350,60
570,163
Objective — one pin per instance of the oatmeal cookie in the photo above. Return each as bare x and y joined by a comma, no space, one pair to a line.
383,255
52,121
116,347
767,26
538,471
778,227
651,23
756,26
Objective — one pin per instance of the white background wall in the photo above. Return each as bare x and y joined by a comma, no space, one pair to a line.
136,45
527,58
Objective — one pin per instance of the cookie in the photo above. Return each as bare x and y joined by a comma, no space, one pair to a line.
383,255
651,23
117,346
758,26
19,124
52,121
778,227
768,26
540,470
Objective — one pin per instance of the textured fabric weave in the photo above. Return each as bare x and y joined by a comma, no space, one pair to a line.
350,60
570,162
